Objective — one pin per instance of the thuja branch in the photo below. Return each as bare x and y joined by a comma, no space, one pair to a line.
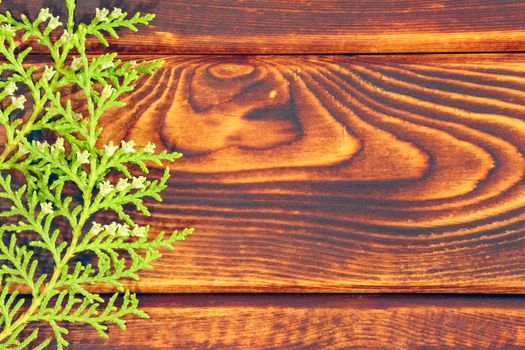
68,179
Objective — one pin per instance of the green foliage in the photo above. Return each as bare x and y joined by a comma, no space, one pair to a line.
67,182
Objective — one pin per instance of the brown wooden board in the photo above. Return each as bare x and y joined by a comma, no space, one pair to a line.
337,173
331,322
327,174
318,26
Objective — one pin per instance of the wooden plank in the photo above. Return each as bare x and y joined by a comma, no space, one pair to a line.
318,322
322,174
318,26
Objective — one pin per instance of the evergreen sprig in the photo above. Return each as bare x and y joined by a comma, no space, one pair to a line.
53,190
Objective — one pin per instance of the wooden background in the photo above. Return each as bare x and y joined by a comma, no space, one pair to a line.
386,158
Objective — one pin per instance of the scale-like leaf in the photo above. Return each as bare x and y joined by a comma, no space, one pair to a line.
67,178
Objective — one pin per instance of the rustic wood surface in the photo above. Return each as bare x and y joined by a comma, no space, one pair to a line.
330,173
315,26
256,322
338,173
347,174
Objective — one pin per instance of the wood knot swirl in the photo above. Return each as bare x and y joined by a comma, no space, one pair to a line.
231,70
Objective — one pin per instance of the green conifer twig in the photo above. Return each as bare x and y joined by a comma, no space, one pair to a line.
70,180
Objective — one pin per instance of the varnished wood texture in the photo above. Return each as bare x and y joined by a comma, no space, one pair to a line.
320,174
328,173
317,322
315,26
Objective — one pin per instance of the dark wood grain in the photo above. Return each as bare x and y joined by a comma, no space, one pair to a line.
328,322
329,174
334,173
319,26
